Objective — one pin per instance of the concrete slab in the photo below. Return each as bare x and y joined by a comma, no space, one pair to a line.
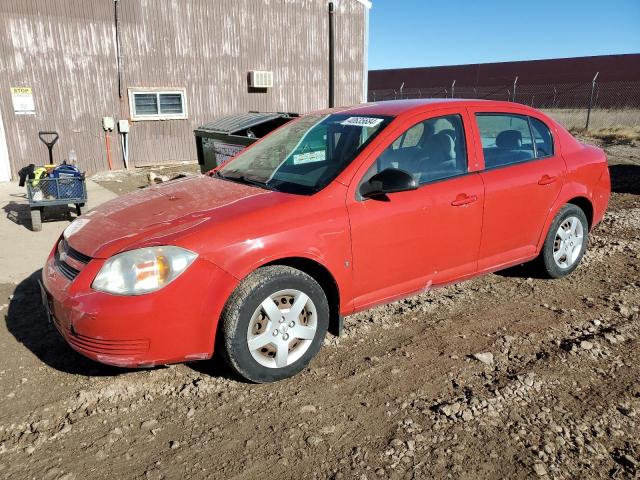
22,251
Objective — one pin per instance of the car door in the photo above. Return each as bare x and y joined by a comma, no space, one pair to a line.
523,174
407,241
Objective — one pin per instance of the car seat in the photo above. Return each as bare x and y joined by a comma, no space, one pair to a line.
510,148
436,160
509,140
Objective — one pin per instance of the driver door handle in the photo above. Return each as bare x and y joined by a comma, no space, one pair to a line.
464,199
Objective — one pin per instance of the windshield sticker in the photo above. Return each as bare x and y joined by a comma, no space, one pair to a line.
309,157
361,122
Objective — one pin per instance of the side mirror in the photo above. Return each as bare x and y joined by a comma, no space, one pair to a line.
390,180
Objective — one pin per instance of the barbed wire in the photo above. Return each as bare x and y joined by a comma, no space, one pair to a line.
606,105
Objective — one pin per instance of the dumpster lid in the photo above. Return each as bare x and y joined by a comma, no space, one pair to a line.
241,121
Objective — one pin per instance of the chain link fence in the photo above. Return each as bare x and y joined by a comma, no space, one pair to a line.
594,106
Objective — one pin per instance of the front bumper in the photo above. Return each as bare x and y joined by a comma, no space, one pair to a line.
174,324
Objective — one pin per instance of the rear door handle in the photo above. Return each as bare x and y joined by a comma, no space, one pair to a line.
547,179
464,199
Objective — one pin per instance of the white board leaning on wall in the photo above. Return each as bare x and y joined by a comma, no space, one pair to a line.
5,168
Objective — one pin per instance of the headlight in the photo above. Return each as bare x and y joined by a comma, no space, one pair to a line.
142,271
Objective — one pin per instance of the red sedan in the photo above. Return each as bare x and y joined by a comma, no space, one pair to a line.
334,213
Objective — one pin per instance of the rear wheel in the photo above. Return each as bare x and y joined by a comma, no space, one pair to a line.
273,324
566,242
36,219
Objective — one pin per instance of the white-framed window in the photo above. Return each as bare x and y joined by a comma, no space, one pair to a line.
157,103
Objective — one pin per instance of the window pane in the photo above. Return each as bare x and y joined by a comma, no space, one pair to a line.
506,139
307,154
438,151
171,103
413,136
145,103
313,148
543,138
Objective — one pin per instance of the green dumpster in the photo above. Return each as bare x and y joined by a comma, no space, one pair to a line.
224,137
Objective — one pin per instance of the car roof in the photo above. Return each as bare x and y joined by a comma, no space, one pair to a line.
396,108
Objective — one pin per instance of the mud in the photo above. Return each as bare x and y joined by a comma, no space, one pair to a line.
554,393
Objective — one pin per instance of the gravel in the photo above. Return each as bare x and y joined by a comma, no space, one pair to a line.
486,357
505,376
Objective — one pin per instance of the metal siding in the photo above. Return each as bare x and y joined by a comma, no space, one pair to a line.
350,41
65,51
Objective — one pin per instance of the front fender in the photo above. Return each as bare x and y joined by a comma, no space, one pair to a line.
335,260
319,233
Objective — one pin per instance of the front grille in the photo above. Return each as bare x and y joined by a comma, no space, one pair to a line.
66,269
64,253
73,253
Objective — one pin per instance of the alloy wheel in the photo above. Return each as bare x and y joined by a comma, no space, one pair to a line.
282,328
568,242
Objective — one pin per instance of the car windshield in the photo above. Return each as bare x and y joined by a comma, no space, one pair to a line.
304,156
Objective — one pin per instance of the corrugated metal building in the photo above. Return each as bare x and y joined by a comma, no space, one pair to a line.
168,66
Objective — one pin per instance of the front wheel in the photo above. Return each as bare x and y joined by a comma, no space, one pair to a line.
273,324
566,242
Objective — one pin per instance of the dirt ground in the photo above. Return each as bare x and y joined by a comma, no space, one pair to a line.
123,181
401,395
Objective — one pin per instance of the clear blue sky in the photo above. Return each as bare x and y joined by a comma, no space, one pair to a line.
416,33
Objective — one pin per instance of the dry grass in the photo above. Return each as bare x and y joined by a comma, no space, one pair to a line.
621,126
621,136
601,118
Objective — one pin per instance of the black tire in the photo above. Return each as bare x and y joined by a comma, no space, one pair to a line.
79,209
547,262
243,302
36,219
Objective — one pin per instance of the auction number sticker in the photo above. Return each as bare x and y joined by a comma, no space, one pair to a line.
361,122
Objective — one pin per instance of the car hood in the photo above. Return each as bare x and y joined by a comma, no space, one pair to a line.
155,214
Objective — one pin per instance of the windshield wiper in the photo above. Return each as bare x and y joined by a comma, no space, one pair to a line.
245,180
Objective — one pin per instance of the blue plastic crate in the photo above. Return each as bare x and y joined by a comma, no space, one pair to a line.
69,187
